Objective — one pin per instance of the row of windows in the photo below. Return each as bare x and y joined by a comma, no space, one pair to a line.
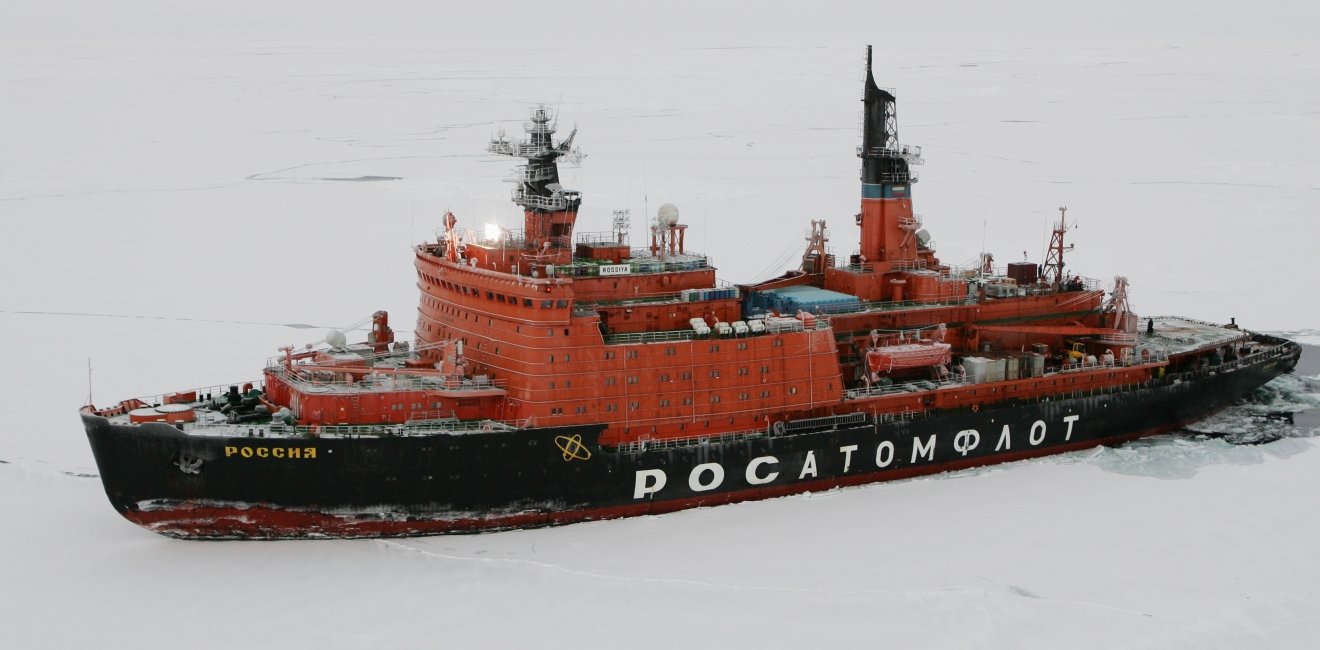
547,303
671,350
560,411
661,378
415,406
636,405
686,375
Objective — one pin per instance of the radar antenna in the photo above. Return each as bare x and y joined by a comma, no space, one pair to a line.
549,210
622,226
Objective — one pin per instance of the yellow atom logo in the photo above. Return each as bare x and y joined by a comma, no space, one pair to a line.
572,447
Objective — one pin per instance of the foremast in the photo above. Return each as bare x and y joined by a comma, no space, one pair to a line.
549,210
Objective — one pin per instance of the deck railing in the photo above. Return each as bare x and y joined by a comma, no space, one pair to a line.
412,428
630,338
383,383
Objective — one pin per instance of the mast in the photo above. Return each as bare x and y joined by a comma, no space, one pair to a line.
549,210
886,218
816,258
1054,254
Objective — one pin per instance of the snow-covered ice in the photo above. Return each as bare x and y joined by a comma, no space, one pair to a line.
201,182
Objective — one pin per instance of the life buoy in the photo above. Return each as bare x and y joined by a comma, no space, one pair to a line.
976,408
779,428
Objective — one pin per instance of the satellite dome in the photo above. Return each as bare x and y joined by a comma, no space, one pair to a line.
667,215
336,339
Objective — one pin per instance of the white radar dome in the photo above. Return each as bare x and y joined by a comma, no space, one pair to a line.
336,339
668,215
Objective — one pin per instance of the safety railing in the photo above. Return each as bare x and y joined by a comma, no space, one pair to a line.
203,394
823,423
649,337
639,446
277,430
327,380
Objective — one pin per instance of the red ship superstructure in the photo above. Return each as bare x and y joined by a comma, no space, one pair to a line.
579,328
558,376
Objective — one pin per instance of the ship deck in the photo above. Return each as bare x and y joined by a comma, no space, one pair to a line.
1176,336
1172,337
211,422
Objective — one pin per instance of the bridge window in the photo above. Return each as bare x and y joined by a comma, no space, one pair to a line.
547,303
561,304
527,302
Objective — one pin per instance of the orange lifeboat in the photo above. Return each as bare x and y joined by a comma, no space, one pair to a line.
889,358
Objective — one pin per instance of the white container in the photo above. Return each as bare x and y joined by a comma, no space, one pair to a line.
978,369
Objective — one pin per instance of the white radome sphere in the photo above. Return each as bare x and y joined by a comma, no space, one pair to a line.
668,214
336,339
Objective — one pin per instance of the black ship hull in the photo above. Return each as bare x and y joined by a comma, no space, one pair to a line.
214,487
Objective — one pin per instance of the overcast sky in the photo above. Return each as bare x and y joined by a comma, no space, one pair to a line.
673,21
